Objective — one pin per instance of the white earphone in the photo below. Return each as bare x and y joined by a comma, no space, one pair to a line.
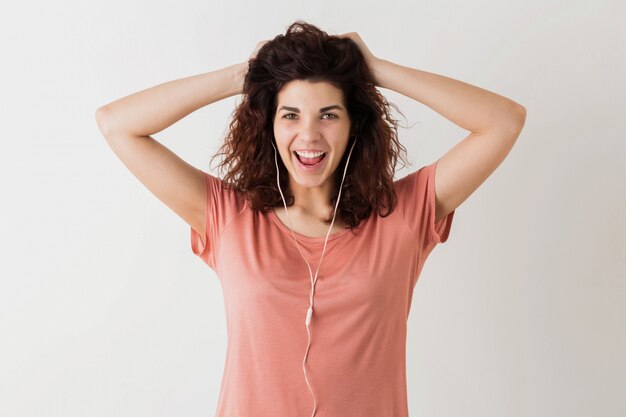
309,313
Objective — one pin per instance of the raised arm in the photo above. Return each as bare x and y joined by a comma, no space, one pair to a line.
468,106
128,122
495,122
154,109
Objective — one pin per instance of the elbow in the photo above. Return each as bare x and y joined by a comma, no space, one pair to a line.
517,118
100,120
511,121
520,111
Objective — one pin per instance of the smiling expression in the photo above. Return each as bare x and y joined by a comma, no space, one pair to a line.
311,116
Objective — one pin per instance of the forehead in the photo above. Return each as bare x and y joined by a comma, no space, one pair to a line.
301,93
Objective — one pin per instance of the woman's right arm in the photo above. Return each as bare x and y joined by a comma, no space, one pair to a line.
128,122
154,109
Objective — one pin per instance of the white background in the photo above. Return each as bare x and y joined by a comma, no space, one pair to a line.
105,311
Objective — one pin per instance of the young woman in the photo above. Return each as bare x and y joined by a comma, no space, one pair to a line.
310,157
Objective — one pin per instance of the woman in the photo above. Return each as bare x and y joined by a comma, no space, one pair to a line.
310,158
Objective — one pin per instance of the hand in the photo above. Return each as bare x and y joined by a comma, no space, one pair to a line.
371,60
259,45
242,68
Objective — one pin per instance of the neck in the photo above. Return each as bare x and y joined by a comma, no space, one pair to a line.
312,201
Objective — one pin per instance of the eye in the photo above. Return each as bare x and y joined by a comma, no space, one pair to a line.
334,116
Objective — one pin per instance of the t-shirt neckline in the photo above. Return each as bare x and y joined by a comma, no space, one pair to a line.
301,237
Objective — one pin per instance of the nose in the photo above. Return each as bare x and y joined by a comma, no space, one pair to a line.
309,130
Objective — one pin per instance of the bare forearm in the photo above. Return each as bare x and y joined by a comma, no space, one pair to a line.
152,110
470,107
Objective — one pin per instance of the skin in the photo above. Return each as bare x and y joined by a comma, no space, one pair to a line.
128,124
310,129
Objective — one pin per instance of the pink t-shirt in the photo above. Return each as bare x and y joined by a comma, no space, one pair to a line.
356,361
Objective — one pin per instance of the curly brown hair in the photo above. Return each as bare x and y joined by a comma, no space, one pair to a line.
307,53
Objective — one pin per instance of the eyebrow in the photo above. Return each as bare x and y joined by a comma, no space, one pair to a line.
322,110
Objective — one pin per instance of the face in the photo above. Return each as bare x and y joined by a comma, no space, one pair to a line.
311,116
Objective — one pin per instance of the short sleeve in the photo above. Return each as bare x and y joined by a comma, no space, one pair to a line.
416,204
220,206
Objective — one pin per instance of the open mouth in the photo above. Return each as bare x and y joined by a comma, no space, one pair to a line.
310,162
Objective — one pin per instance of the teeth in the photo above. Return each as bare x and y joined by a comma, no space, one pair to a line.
310,154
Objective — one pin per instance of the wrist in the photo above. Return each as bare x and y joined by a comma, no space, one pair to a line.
238,75
377,69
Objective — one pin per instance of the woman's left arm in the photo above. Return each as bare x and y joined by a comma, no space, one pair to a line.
494,121
470,107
